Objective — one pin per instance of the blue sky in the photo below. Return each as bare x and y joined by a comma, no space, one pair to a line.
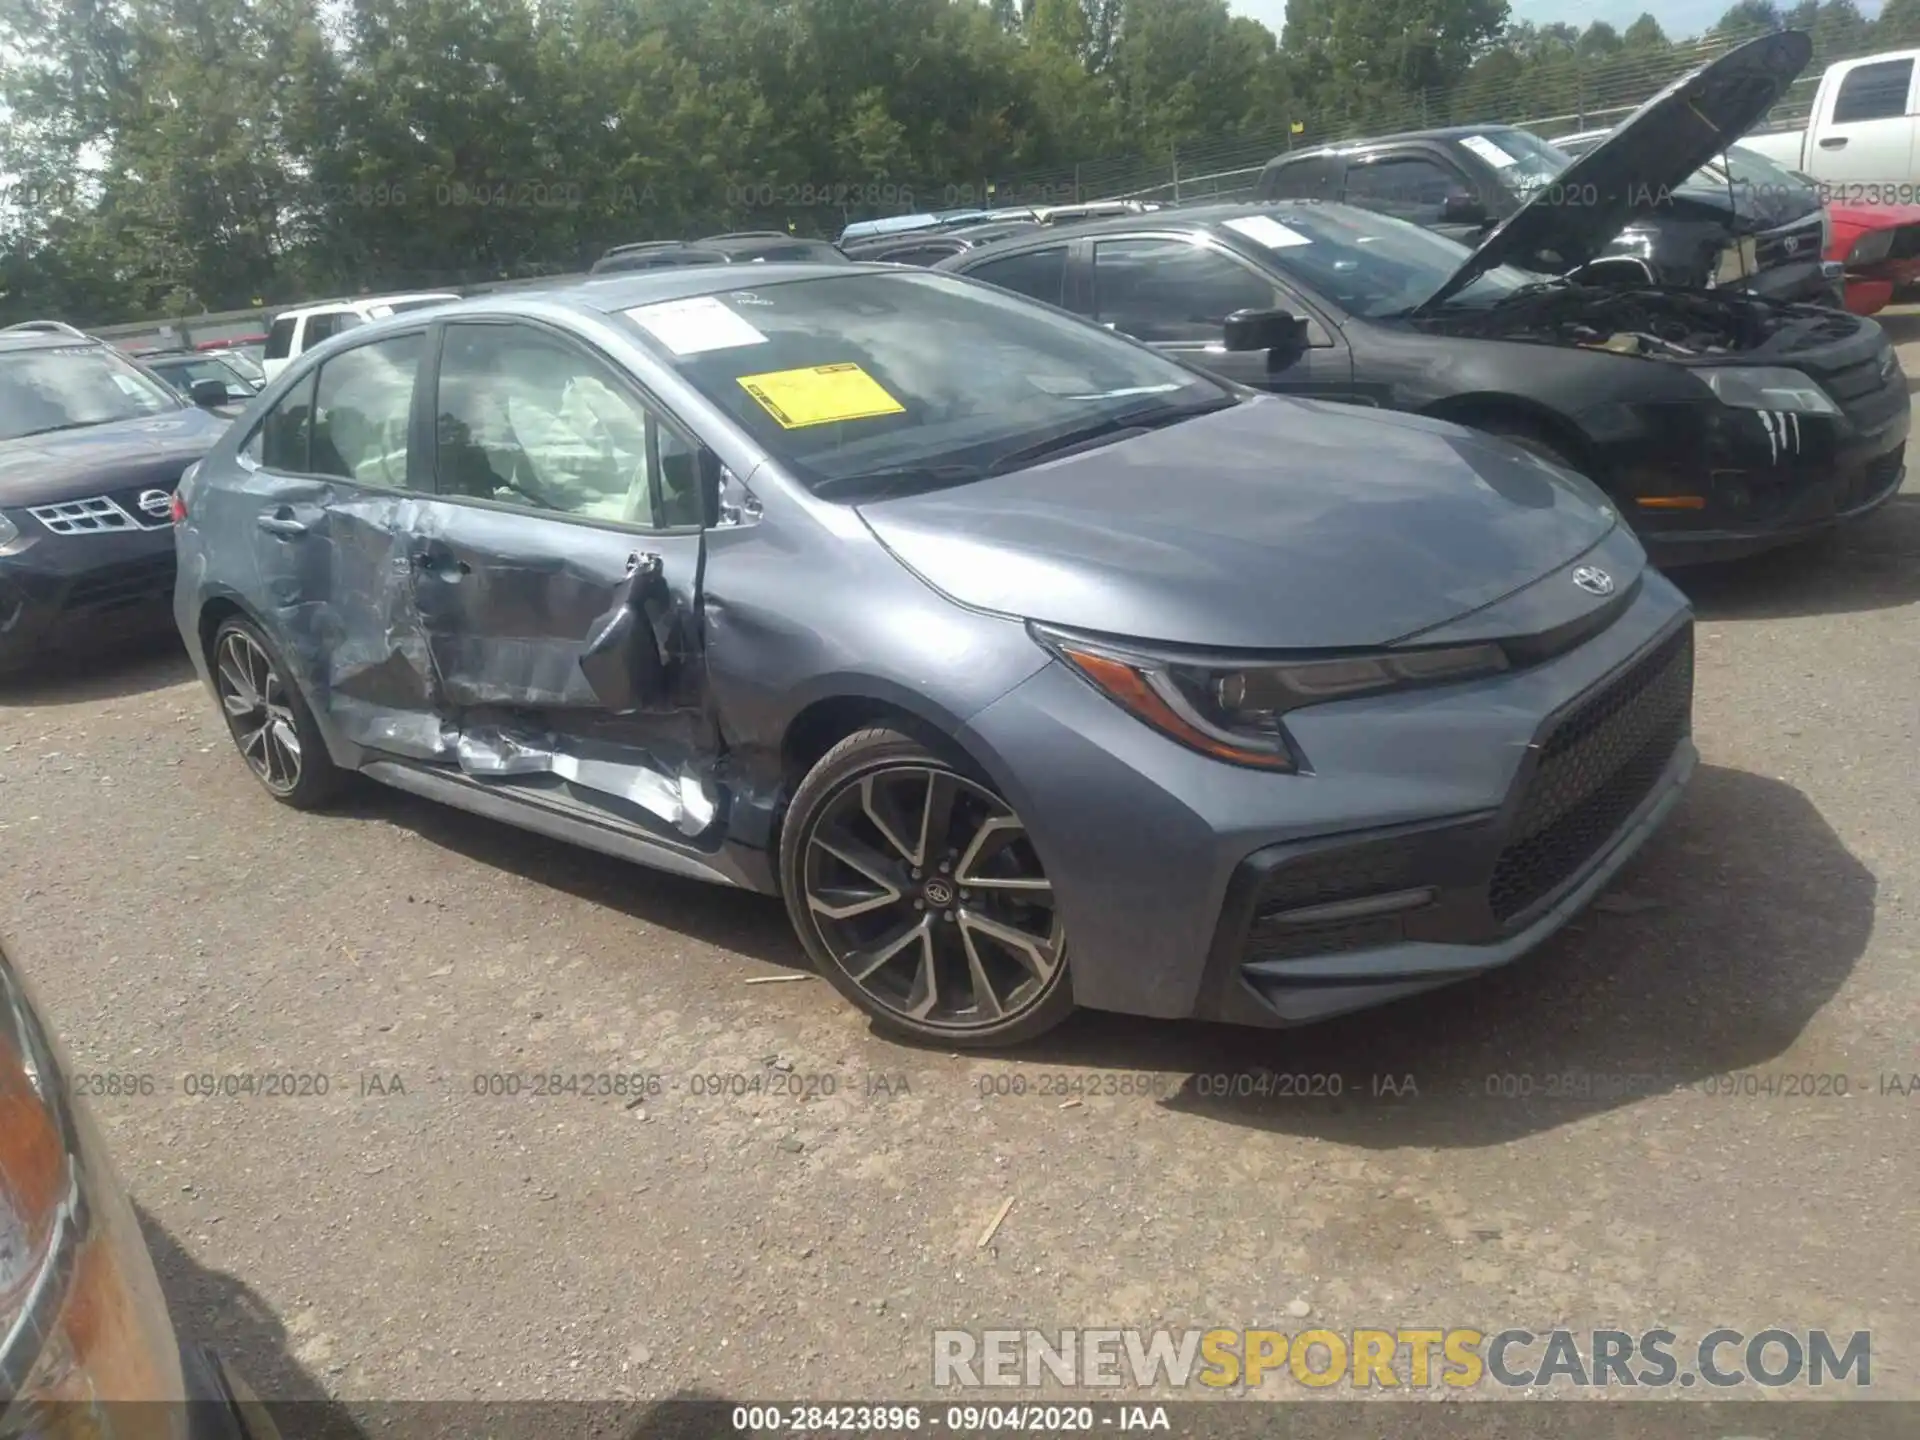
1679,18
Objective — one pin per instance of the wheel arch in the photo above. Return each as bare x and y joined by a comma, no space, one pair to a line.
855,703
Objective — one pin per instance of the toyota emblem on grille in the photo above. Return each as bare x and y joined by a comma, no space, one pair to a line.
1792,244
1593,580
157,503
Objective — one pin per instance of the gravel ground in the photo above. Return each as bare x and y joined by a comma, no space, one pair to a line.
404,1237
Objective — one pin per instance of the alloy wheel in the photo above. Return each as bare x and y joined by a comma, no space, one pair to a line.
927,893
256,703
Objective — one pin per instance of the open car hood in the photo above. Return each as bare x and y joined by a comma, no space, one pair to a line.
1651,155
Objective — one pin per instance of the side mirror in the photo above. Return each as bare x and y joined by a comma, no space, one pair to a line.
1266,330
1460,208
208,394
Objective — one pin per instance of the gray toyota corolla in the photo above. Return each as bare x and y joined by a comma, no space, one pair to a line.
1031,667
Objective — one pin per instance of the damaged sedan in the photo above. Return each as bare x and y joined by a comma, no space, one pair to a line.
1722,423
1031,668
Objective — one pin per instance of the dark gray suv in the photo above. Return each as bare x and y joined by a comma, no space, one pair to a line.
1030,666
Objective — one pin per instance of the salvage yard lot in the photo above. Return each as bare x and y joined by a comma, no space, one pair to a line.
794,1204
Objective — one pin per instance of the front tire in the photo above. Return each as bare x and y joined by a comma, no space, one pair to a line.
267,716
919,896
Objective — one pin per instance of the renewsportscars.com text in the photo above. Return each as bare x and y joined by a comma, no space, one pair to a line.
1403,1358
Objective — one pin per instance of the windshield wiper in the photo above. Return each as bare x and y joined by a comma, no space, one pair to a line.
1114,427
898,480
67,425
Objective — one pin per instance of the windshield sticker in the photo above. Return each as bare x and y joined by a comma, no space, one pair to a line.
692,327
1487,151
820,395
1267,231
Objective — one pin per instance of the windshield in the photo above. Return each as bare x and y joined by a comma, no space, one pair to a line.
63,387
844,376
1524,160
1369,264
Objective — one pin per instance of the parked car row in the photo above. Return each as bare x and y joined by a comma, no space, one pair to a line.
1237,611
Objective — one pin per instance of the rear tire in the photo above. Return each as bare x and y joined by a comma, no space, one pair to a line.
272,727
918,895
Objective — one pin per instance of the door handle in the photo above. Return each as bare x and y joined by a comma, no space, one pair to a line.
442,567
1833,142
284,522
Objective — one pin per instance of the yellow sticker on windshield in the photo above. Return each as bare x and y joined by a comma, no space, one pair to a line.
820,395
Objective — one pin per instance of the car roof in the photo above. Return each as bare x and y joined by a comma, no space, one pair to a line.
11,339
1368,142
1186,217
360,302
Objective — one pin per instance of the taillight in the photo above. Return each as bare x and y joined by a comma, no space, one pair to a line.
179,508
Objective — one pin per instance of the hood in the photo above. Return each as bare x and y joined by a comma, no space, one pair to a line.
1277,524
74,464
1653,154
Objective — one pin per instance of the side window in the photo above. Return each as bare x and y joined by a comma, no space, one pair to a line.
920,255
525,418
280,339
320,327
360,412
1172,290
1874,92
1037,274
1411,187
1295,180
279,442
347,320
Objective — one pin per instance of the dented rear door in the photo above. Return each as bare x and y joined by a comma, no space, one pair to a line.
332,490
556,573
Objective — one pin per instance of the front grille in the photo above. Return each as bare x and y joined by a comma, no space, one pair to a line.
151,506
1790,244
96,516
134,583
1596,767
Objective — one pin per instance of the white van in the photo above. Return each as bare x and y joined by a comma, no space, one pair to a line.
296,331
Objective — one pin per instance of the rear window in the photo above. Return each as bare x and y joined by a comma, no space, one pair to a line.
1874,92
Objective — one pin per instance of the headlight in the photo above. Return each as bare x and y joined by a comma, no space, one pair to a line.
1737,262
82,1322
1231,710
1759,388
1871,248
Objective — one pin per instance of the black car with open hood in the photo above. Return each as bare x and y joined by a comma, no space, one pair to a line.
1719,423
1630,208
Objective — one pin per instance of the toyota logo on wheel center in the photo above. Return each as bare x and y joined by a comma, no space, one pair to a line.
939,893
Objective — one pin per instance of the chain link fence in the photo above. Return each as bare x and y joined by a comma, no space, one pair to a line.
1551,95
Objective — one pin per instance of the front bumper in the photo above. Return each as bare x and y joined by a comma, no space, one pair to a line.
1753,480
1409,856
87,587
1808,282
